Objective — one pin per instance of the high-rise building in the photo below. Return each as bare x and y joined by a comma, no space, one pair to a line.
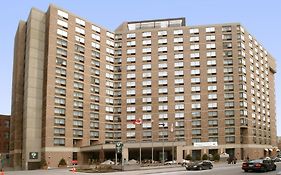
162,88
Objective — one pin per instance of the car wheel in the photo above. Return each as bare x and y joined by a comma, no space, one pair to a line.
246,170
274,168
211,167
200,168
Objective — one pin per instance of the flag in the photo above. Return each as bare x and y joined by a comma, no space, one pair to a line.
137,122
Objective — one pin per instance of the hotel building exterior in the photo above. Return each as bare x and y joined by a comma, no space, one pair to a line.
79,88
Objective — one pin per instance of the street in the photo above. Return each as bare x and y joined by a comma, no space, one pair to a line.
219,169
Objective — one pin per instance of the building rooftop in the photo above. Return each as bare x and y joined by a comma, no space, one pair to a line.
158,23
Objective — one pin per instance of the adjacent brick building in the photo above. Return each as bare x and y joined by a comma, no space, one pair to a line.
4,134
79,88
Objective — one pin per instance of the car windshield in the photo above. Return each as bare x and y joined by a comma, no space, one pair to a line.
256,161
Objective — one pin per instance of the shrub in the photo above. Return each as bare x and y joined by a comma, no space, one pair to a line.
188,157
62,162
205,157
216,157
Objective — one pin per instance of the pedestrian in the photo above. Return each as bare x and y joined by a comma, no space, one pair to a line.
234,160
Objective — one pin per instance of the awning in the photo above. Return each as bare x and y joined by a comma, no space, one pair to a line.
265,149
270,149
277,150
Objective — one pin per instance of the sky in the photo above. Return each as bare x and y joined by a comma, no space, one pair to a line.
261,18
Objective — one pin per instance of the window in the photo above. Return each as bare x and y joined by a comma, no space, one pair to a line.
80,30
195,106
229,104
146,91
178,32
146,34
196,123
213,131
212,88
179,115
131,35
179,65
131,51
162,57
211,54
211,46
162,33
162,49
62,23
61,52
131,59
195,80
194,47
212,105
59,141
212,71
131,43
196,132
194,31
162,90
162,41
194,55
213,122
178,48
195,72
210,38
195,63
212,79
146,42
63,14
212,96
211,62
179,98
179,90
178,40
162,74
194,39
110,35
195,89
210,29
96,29
162,66
80,22
59,121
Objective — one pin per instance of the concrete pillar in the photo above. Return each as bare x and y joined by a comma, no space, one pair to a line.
179,153
125,153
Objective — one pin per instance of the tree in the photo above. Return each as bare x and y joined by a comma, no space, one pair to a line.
62,162
216,157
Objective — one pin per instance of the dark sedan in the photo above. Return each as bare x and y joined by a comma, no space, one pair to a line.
259,165
203,165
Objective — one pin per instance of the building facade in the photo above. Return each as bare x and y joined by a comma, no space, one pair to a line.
162,88
4,134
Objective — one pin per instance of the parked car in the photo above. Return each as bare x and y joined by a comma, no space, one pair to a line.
276,159
203,165
170,162
185,162
259,165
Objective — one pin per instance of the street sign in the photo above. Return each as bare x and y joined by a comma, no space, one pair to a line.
118,147
33,155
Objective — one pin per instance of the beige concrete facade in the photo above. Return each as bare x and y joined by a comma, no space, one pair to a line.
82,88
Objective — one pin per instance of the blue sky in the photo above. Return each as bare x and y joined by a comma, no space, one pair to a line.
260,18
